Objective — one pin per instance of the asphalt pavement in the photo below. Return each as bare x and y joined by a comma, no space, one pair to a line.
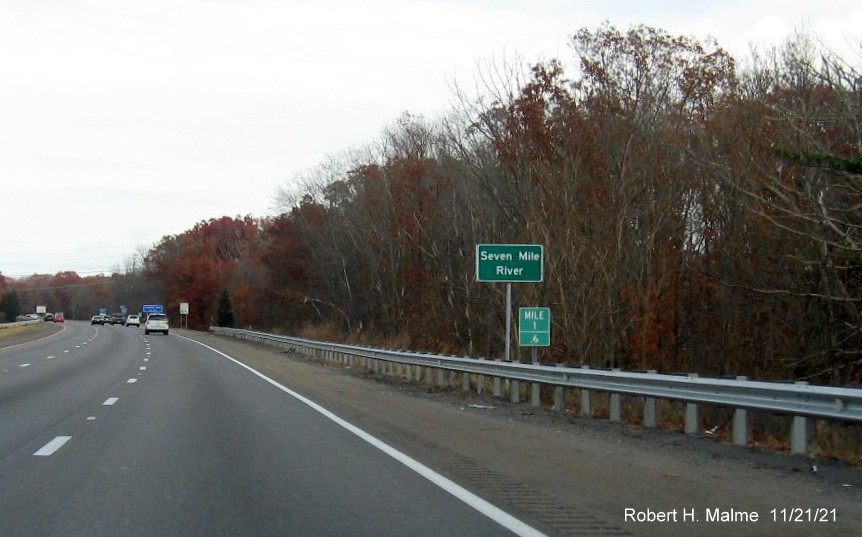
106,431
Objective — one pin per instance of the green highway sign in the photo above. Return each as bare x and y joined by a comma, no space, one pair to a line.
534,327
509,262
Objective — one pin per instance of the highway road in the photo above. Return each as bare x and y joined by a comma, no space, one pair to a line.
106,431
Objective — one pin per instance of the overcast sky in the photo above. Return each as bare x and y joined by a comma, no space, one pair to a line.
125,121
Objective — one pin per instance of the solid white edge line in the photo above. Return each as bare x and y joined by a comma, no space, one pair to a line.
51,447
486,508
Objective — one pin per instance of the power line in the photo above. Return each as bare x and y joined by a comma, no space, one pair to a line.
4,252
73,286
59,260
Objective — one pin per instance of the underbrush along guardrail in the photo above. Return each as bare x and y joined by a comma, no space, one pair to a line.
800,400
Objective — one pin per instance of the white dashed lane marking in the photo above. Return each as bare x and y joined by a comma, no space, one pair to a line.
51,447
110,401
131,381
25,365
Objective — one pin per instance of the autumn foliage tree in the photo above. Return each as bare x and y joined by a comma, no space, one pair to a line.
695,216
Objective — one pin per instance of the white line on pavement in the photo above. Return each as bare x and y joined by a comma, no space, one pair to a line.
488,509
110,401
48,449
131,381
25,365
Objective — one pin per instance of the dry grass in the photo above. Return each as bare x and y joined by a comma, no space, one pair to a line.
17,330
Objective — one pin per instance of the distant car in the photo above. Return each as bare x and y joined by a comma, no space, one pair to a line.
97,319
59,317
156,322
133,320
49,317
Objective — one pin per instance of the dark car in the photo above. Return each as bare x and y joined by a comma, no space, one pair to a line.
49,317
116,318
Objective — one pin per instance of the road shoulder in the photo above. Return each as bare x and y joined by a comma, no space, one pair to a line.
567,473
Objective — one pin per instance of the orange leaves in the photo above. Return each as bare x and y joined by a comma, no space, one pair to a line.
652,337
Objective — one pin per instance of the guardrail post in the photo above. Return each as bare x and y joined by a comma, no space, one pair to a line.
536,395
616,410
559,396
418,373
465,381
799,435
515,391
586,399
692,414
480,384
740,423
429,376
799,432
441,378
650,408
498,391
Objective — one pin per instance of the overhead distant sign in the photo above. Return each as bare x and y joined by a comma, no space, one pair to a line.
509,262
534,327
153,308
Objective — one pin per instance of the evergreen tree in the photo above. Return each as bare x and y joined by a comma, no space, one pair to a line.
11,305
225,311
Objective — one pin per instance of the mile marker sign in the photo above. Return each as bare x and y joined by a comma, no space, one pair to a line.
509,262
534,327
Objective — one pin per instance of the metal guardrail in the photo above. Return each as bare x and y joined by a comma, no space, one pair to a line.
799,400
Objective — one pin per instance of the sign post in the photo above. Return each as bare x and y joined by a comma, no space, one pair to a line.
184,314
510,263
